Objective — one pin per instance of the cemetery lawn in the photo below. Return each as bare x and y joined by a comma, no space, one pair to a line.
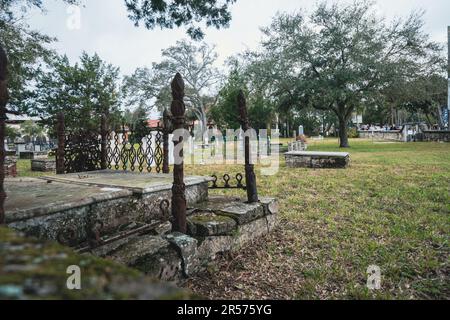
24,169
391,208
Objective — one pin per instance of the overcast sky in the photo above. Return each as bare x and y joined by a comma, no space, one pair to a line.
106,29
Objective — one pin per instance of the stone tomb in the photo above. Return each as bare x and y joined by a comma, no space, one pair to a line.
58,206
316,159
43,165
215,226
135,227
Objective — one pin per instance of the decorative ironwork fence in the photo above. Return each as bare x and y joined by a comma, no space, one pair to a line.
82,151
145,154
250,177
117,150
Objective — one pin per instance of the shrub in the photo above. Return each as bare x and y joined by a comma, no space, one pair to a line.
353,133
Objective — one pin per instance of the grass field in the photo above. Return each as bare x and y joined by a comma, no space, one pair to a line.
391,208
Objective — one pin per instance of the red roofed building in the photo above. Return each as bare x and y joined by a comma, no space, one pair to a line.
155,123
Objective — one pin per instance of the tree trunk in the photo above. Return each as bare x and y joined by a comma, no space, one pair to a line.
430,123
343,134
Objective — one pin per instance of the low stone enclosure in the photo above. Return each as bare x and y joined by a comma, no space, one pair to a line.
165,225
316,159
124,216
400,135
435,135
393,135
43,165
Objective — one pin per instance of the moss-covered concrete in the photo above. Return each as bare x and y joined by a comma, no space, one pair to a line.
34,269
204,223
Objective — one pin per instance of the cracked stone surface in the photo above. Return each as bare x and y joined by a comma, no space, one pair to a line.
210,246
270,205
187,247
217,225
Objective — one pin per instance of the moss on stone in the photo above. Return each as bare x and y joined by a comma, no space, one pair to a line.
210,218
34,269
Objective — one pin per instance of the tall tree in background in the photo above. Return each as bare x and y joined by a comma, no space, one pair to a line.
223,112
342,55
177,13
149,88
83,91
137,120
427,95
27,50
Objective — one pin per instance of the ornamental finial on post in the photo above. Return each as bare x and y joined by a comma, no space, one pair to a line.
178,108
250,177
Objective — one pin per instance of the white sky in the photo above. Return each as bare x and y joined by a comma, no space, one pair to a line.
106,29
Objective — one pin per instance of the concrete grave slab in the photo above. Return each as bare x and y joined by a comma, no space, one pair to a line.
52,206
138,183
30,198
317,159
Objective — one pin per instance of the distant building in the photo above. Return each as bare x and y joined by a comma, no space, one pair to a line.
155,123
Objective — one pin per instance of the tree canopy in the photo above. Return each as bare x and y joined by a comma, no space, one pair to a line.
343,55
171,13
150,88
260,109
27,50
84,91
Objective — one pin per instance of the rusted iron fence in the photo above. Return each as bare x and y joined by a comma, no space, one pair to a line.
90,150
250,177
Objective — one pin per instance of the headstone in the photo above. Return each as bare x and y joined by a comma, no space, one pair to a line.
300,131
20,147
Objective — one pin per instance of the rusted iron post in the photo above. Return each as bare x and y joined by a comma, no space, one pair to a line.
178,189
3,101
166,131
250,177
60,129
104,137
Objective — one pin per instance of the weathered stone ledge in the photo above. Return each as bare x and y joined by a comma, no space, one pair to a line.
36,269
48,207
216,226
104,217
